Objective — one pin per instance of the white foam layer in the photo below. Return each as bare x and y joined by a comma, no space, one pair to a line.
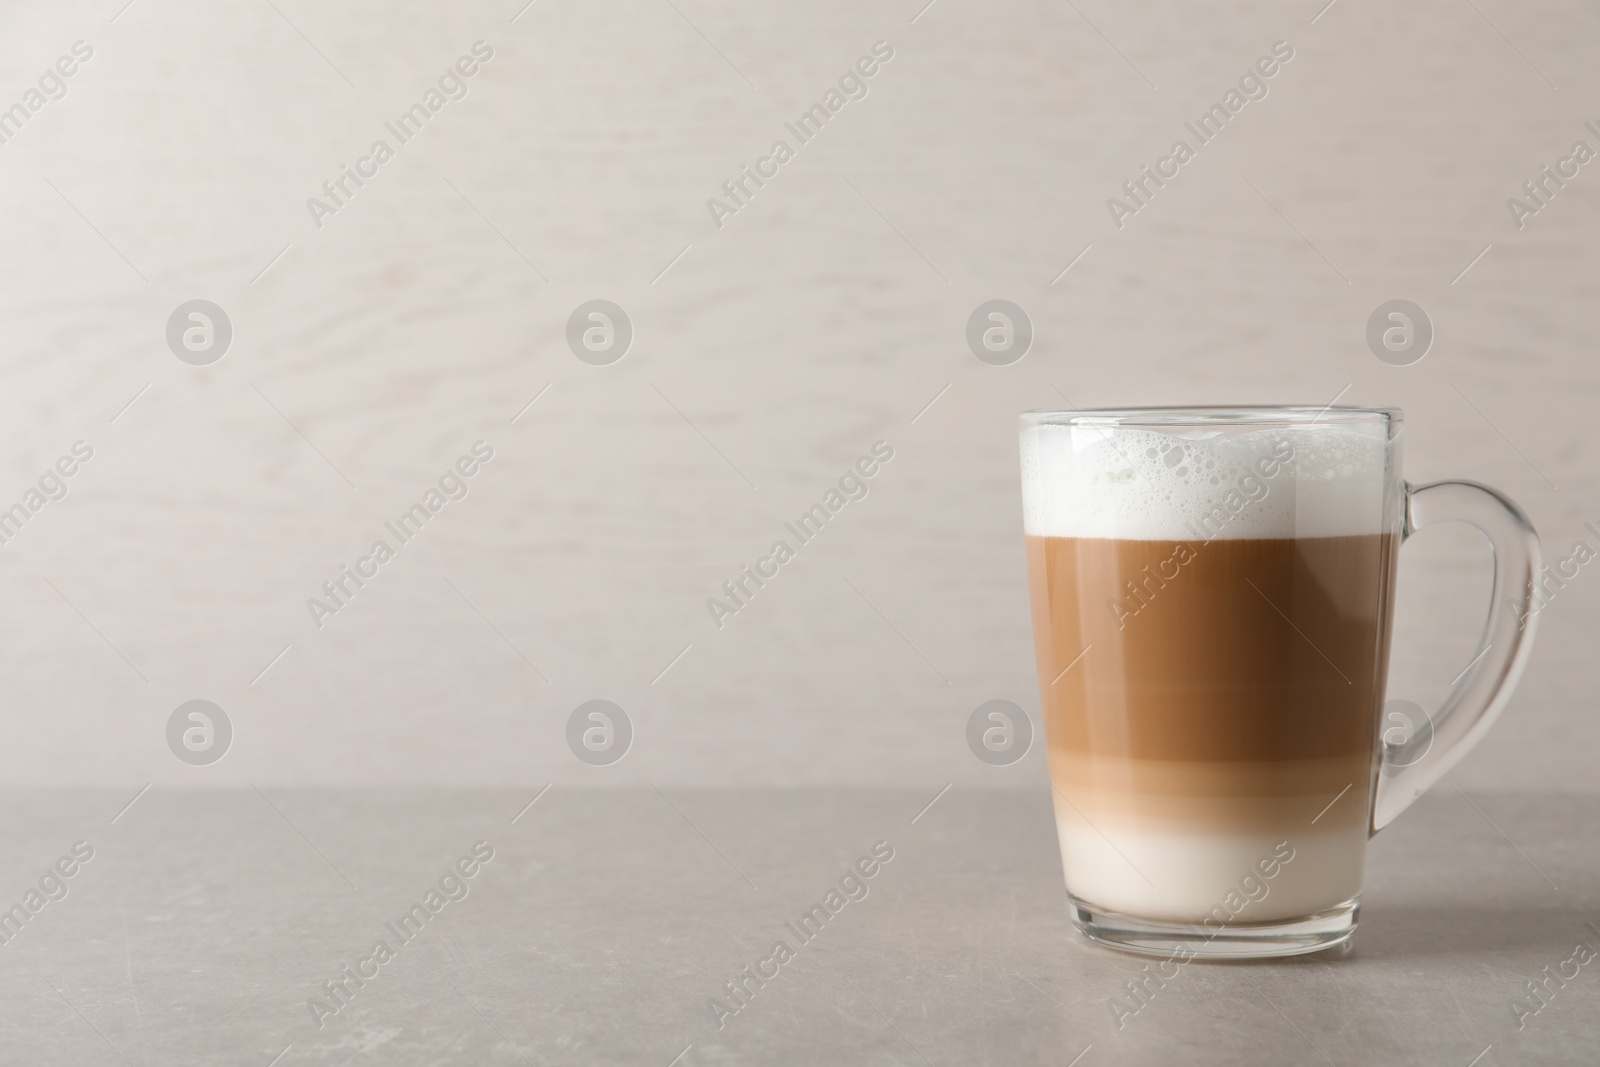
1189,878
1147,485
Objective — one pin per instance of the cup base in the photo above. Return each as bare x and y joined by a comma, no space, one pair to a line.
1238,941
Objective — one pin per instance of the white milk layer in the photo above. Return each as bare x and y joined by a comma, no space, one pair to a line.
1146,485
1197,877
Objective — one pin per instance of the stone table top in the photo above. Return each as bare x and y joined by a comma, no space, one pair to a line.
598,927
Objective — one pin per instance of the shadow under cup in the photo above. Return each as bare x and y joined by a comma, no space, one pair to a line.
1212,599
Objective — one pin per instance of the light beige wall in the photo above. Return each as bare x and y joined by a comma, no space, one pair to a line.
821,318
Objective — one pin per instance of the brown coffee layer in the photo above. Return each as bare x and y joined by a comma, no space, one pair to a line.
1174,797
1243,651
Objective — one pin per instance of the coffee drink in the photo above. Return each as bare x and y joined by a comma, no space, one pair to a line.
1211,615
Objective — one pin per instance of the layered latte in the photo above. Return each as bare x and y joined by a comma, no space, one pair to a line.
1211,614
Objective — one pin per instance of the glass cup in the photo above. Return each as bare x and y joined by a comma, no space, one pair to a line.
1213,595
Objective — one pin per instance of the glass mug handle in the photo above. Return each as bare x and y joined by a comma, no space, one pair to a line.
1478,695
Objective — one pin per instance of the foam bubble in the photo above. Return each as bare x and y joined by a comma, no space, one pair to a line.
1139,484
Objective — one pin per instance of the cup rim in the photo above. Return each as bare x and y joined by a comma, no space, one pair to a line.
1199,415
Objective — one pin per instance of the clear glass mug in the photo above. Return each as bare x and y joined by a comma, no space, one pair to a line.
1213,593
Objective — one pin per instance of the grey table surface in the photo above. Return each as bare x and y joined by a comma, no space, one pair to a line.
607,920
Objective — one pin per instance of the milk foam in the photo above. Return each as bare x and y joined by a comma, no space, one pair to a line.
1141,484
